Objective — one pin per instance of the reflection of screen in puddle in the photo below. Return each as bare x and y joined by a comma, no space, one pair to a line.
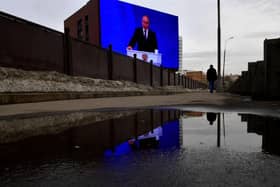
156,134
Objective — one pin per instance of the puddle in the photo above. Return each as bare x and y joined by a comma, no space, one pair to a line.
155,147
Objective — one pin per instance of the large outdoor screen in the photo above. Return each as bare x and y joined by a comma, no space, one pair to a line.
119,20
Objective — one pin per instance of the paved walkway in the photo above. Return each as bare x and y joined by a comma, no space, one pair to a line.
117,102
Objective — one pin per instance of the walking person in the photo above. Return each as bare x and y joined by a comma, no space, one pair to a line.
212,77
211,117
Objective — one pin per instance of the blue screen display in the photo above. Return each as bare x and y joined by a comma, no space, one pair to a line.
171,135
119,21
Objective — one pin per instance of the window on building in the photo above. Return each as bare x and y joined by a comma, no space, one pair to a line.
80,29
87,28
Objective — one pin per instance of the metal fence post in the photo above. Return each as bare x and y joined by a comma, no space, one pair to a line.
152,120
151,72
110,62
136,126
179,80
168,77
135,68
174,74
68,69
161,76
192,84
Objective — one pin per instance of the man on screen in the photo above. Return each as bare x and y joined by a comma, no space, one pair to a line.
144,37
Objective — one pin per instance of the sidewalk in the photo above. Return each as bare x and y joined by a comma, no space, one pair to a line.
222,100
118,102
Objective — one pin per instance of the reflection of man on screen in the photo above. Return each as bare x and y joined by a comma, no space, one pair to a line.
144,37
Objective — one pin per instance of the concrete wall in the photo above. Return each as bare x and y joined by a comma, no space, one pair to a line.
171,77
156,76
262,80
143,72
258,83
165,77
123,68
245,87
29,46
272,68
88,60
251,75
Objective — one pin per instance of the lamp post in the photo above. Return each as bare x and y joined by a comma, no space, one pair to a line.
219,130
219,47
225,50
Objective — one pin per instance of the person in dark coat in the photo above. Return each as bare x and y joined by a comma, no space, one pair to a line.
144,37
211,117
212,77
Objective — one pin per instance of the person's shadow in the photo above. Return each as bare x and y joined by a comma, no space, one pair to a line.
211,117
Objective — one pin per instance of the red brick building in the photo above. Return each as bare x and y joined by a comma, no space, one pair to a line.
85,23
197,75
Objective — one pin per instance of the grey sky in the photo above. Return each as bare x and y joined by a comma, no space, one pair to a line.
249,21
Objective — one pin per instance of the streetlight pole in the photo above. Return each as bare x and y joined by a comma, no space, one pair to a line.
219,47
224,65
219,130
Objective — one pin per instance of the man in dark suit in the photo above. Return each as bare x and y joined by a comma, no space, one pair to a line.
144,37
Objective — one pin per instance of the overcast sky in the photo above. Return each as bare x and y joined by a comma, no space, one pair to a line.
249,21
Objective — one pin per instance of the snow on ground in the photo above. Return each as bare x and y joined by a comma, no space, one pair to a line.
15,80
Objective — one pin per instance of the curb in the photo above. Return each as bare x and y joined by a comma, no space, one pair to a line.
33,97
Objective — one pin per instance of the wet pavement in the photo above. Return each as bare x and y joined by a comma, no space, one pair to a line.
179,146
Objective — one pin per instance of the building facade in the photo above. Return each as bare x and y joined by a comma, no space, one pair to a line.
85,23
180,53
197,75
